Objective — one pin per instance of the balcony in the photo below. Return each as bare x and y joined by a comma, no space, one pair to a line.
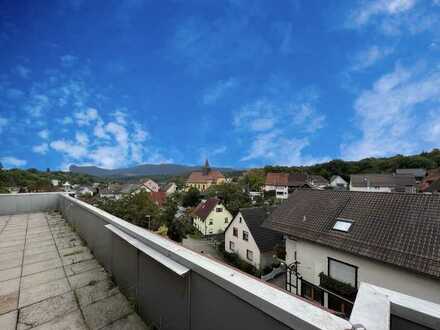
65,262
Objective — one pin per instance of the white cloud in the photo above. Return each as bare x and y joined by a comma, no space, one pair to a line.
85,117
399,114
44,134
68,60
22,71
215,93
37,105
370,56
70,149
82,138
66,120
41,148
370,9
10,162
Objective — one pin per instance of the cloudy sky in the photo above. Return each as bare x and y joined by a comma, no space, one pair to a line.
245,83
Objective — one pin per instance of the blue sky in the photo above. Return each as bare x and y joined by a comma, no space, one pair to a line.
245,83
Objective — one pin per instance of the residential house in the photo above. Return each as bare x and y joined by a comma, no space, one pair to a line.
317,181
433,188
67,186
386,239
251,242
55,182
255,195
132,188
383,183
150,185
338,183
211,217
418,173
283,183
85,191
169,188
158,197
432,176
112,191
202,180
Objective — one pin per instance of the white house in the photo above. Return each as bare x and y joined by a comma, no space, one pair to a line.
67,186
385,239
150,185
337,182
55,182
283,183
383,183
170,188
211,217
251,242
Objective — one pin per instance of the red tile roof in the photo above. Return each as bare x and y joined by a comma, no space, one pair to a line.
286,179
158,197
201,177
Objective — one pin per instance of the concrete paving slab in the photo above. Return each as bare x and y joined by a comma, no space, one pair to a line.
41,249
8,321
75,258
38,293
11,243
9,286
95,291
9,274
8,302
11,255
42,278
31,245
81,267
42,256
11,249
10,263
41,266
106,311
85,278
46,310
130,322
71,321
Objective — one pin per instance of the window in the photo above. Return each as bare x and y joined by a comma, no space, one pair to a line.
210,221
231,245
249,255
226,220
218,209
342,272
240,219
245,236
342,225
235,232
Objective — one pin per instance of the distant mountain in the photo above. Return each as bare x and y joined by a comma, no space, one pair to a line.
141,170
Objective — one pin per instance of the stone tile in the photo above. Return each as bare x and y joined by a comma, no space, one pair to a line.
12,243
106,311
9,274
81,267
41,249
49,309
11,249
65,252
31,245
11,262
38,239
8,321
95,291
9,295
130,322
71,321
41,278
33,258
43,291
11,255
75,258
41,266
87,277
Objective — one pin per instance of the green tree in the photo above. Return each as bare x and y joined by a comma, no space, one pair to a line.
191,198
233,196
169,210
176,231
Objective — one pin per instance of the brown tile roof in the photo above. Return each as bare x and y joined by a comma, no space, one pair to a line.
158,197
286,179
201,177
382,180
205,207
395,228
318,180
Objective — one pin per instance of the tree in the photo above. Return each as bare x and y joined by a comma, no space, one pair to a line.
176,231
168,211
232,196
191,198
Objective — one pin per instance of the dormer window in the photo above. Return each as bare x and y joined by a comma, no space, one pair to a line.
343,225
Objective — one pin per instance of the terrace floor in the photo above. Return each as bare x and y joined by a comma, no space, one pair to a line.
50,280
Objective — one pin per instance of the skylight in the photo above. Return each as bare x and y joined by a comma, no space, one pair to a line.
342,225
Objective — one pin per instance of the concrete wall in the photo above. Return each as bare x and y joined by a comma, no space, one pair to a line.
313,259
27,203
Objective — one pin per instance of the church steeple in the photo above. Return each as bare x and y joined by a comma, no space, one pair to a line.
206,168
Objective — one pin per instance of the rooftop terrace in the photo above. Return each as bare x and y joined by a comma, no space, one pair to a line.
55,272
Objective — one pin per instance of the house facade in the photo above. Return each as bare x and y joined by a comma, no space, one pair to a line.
338,183
170,188
383,183
150,185
317,182
283,183
204,179
385,239
251,242
211,217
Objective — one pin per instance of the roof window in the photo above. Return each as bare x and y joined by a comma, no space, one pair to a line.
343,225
